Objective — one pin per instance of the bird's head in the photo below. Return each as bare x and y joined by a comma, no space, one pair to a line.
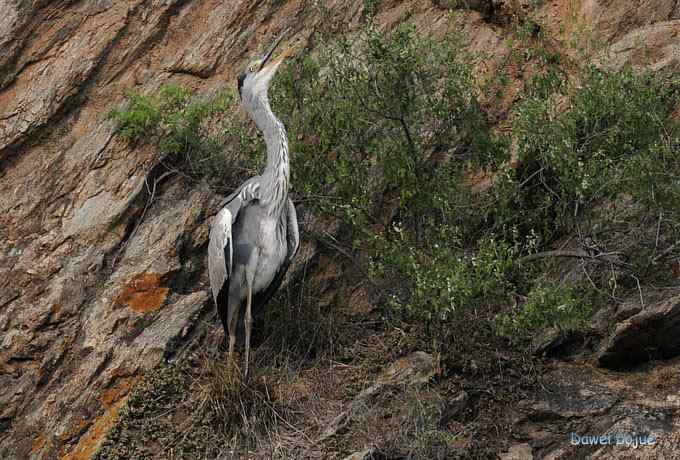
254,81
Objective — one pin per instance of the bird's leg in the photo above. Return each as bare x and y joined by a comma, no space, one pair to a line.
232,322
249,324
222,309
232,343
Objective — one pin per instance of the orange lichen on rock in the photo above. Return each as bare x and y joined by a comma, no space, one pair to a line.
38,443
74,432
112,395
89,442
143,293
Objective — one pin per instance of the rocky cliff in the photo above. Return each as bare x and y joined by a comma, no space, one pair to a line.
102,268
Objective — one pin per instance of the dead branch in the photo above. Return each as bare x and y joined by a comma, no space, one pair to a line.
606,257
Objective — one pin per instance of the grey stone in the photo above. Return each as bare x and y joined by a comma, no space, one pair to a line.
652,333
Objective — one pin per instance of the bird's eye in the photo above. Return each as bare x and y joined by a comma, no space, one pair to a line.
251,68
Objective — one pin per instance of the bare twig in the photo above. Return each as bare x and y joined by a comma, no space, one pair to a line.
637,281
603,257
335,245
524,182
664,253
152,193
658,231
411,146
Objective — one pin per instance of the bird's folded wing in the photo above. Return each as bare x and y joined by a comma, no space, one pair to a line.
219,251
248,191
220,248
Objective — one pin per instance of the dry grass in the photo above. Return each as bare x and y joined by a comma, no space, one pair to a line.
311,359
244,412
200,408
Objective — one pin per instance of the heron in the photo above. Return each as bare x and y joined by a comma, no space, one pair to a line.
255,236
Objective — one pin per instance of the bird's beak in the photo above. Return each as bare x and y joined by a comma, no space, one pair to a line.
271,50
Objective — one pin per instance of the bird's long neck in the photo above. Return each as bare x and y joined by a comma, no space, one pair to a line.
276,174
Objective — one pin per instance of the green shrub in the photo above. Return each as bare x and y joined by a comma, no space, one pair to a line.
203,137
386,130
575,149
547,305
141,115
383,129
382,113
439,287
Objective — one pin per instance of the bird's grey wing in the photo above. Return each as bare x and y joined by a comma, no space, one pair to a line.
220,247
293,244
248,191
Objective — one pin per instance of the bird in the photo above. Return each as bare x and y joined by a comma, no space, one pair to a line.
255,236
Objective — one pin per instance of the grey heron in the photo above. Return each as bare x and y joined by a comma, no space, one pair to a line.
255,236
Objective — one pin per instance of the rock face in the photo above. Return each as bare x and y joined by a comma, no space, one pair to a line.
652,333
102,269
102,273
415,369
655,46
606,21
518,452
580,401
